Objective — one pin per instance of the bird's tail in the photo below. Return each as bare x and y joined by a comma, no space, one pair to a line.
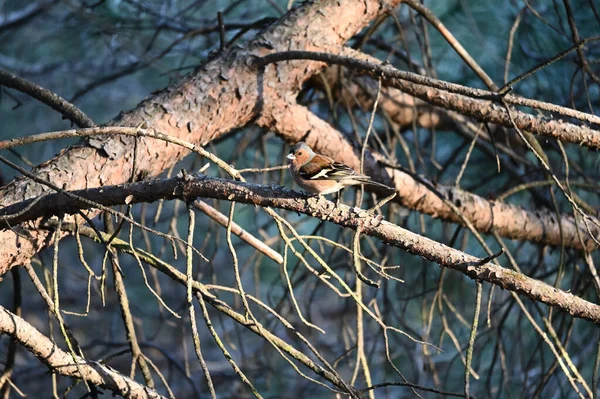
361,179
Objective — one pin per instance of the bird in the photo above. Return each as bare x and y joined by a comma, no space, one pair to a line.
321,175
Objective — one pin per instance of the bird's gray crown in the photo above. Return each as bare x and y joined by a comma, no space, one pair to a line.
300,146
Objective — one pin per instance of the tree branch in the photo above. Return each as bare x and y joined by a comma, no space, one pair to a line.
295,122
61,362
186,188
482,105
225,93
51,99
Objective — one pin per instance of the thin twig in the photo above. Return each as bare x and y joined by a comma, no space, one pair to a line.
236,229
190,299
472,336
47,97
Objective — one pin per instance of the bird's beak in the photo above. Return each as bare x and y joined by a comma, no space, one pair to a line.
291,156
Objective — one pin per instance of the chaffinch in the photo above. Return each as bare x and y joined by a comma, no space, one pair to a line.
322,175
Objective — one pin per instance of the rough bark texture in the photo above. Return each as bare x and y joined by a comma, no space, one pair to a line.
459,98
226,93
294,121
402,108
57,359
188,188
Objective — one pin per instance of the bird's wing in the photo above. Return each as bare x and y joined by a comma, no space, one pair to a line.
325,168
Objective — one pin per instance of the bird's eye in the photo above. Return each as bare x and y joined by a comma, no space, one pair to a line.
299,153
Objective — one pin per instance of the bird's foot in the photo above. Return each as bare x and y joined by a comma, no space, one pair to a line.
332,212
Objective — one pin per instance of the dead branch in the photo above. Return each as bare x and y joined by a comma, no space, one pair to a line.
188,188
61,362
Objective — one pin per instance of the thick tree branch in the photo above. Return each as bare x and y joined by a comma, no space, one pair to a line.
295,122
61,362
403,108
482,105
224,94
188,188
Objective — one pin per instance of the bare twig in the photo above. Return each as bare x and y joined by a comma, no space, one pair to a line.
238,231
47,97
190,299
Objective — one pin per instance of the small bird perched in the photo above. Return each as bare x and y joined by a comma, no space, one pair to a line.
322,175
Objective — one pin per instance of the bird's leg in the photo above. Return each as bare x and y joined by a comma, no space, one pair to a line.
335,206
337,198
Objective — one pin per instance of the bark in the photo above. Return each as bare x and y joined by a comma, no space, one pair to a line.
225,94
62,363
188,188
402,108
294,121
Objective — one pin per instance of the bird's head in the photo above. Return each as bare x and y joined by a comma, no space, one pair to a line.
301,153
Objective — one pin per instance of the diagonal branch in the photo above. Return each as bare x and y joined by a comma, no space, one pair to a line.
292,122
204,293
61,362
53,100
187,188
225,93
479,104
